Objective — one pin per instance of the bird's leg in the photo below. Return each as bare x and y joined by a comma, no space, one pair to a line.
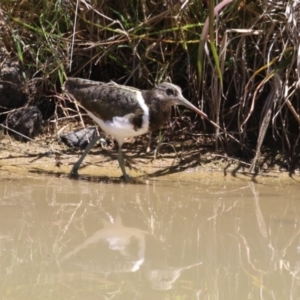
121,163
149,142
74,171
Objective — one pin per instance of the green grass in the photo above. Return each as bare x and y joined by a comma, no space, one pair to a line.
244,62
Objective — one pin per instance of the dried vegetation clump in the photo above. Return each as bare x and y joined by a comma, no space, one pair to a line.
243,70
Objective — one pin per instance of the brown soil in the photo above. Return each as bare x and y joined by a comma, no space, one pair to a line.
179,157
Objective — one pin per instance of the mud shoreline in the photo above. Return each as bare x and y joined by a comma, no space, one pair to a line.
46,157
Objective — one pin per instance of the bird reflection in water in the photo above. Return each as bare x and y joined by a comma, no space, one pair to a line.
119,249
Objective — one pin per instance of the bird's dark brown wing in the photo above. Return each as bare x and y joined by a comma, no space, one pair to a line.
104,100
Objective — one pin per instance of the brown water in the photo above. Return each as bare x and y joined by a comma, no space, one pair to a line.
221,238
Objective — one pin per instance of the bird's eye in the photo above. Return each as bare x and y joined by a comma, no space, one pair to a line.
170,92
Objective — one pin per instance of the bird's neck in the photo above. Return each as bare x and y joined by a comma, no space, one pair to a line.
159,110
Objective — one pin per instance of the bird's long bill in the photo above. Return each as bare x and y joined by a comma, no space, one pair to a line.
186,103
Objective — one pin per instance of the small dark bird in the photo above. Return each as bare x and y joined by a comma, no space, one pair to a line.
124,111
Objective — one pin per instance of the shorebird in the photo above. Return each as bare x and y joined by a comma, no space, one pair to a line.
123,111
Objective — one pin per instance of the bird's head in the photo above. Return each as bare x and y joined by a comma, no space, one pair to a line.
172,94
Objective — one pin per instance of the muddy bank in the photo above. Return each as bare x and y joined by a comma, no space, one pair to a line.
47,157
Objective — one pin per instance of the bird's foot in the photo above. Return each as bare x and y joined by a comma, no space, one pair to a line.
126,178
74,173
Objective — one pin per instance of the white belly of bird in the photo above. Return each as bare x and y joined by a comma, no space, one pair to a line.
121,127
